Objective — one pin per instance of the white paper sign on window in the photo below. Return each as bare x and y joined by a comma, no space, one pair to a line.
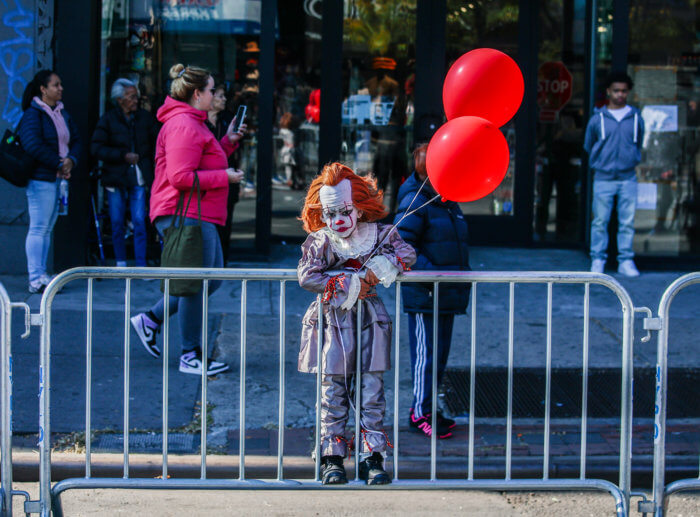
646,196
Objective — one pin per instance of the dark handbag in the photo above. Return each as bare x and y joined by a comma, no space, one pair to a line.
15,164
183,245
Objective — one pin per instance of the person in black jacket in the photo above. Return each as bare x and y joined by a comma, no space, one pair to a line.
438,232
218,120
124,140
390,164
49,135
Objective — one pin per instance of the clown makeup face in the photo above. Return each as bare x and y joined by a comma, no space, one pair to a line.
339,214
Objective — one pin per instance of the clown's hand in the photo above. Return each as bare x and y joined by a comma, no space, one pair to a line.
365,288
382,270
371,278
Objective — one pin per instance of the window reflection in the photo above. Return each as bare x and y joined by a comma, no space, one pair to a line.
297,98
486,24
142,39
378,85
560,122
663,55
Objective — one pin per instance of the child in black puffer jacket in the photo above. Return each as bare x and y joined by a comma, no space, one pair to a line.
438,232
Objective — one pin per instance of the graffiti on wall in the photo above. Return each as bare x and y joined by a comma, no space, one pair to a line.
16,55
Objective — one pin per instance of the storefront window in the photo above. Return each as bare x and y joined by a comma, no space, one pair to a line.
297,111
492,24
604,31
560,122
142,39
378,85
664,57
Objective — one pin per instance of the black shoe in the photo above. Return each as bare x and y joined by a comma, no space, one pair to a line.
444,422
332,471
372,470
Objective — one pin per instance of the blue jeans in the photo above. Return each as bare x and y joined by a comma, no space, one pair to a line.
117,214
42,200
604,192
190,307
420,339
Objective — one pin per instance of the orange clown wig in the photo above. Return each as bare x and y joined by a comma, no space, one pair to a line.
366,198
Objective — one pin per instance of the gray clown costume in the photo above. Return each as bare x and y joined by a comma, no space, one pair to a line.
328,266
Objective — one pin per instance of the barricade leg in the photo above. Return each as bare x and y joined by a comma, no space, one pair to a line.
6,491
6,389
56,506
661,492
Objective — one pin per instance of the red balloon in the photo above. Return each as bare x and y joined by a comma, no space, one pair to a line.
467,159
483,83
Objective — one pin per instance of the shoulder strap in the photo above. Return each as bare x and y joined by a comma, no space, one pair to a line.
181,211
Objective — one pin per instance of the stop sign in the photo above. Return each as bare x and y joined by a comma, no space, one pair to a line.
554,86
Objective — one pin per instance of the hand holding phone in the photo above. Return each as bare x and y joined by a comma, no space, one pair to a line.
236,128
240,117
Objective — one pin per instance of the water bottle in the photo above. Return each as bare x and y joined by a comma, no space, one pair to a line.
63,197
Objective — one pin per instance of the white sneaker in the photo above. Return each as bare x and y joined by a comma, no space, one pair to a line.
191,362
36,286
46,279
146,329
597,266
628,268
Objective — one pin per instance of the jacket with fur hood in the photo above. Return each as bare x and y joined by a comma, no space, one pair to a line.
185,146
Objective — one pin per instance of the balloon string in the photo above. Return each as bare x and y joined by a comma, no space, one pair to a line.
393,227
414,197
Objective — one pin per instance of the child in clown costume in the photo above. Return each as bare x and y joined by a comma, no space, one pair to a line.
345,255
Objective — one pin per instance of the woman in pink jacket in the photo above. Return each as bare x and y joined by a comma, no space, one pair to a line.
185,146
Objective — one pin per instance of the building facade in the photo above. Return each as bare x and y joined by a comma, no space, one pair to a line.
380,66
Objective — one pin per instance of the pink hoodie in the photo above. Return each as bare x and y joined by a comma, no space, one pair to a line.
186,145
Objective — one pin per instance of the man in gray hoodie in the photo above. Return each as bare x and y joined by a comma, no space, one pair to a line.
613,142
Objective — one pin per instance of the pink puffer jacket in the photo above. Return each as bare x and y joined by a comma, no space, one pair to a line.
186,145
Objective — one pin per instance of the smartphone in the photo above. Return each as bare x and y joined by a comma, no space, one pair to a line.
240,116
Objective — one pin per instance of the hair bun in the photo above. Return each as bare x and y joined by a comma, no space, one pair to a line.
176,71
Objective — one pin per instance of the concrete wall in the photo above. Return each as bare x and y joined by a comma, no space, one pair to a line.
26,33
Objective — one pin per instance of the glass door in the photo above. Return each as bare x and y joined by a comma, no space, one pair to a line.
491,24
560,120
377,87
664,59
296,99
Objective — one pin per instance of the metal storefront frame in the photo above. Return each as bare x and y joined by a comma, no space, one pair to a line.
50,496
661,492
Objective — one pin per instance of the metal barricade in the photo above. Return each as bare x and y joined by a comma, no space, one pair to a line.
6,490
50,496
661,492
6,390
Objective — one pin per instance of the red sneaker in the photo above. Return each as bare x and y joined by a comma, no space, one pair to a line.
424,425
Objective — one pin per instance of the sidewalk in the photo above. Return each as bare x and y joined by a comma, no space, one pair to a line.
369,503
262,386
